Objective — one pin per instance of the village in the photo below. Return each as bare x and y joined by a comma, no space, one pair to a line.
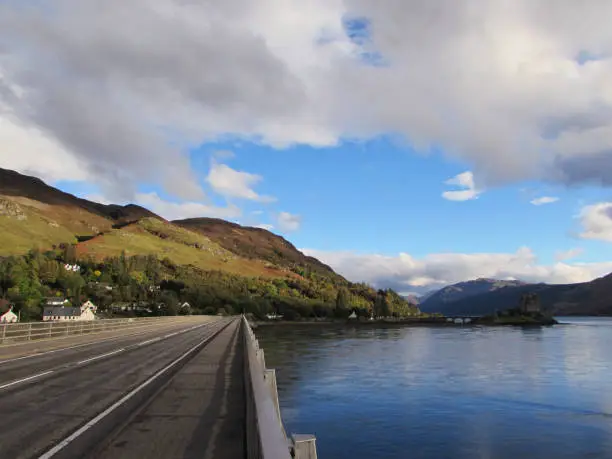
59,309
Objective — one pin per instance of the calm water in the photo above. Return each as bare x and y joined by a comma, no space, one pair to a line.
456,393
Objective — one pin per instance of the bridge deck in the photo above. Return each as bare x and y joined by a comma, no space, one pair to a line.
199,414
158,394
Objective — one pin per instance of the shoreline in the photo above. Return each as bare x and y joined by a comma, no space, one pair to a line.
410,323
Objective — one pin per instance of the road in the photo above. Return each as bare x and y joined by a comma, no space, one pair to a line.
170,392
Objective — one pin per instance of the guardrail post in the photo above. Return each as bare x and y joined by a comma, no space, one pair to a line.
270,378
304,446
50,328
3,333
30,331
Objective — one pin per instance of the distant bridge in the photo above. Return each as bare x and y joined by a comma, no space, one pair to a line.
462,318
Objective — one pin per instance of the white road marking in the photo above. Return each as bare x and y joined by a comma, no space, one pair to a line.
149,341
116,351
19,381
2,362
65,442
101,356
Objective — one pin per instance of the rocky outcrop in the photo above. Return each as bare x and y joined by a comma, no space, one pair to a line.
11,209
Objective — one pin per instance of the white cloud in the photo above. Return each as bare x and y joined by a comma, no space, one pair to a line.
265,226
128,89
234,184
596,221
544,200
406,273
564,255
288,222
175,211
464,180
28,150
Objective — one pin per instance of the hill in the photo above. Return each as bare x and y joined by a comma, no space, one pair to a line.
138,256
588,298
34,214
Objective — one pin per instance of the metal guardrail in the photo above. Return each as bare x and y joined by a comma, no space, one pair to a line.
265,433
21,332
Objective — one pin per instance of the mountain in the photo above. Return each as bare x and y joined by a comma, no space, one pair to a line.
16,186
256,243
587,298
439,300
34,214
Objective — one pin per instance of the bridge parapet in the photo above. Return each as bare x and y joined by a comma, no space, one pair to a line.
266,436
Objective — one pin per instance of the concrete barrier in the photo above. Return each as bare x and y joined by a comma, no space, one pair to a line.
266,437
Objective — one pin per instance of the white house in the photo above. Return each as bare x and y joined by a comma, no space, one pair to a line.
88,311
274,316
9,317
353,315
63,313
89,305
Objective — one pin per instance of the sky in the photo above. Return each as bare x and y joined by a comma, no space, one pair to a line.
407,144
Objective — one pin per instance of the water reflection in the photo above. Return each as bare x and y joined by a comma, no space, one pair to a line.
436,392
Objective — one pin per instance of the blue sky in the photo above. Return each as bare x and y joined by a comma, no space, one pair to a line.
382,197
403,144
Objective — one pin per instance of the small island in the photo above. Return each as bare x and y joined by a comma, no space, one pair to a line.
529,312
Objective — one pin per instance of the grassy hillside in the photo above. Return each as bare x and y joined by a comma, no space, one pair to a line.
26,223
33,214
151,236
256,243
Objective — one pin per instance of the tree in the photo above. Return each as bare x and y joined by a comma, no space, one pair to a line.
342,303
381,305
72,283
169,299
70,253
48,271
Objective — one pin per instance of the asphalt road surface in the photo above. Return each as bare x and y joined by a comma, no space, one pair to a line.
173,392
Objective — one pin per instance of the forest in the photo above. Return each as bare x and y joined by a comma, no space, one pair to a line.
153,286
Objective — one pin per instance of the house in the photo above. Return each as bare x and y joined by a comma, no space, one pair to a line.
8,317
134,307
353,315
89,305
57,313
274,316
185,305
63,313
